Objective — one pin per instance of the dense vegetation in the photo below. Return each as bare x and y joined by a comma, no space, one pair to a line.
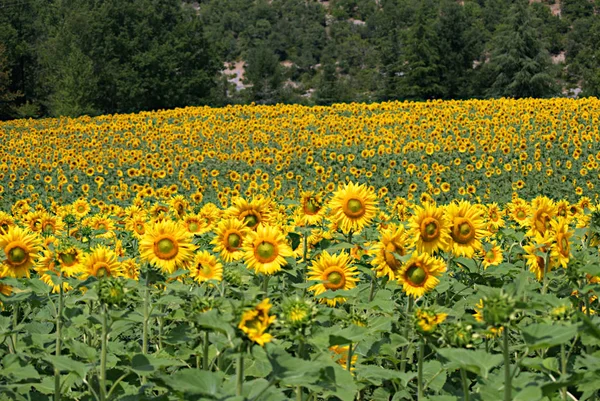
79,57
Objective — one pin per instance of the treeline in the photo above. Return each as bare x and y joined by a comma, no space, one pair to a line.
75,57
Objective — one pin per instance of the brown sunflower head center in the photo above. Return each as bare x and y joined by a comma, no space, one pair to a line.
416,274
463,231
16,255
193,227
166,248
233,241
311,206
334,279
102,269
489,255
67,259
390,259
266,252
355,208
430,229
48,228
251,220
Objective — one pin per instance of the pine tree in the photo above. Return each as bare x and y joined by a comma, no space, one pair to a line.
7,97
519,65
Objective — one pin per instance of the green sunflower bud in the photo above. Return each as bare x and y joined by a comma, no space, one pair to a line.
460,335
70,219
201,305
233,276
111,291
499,309
298,312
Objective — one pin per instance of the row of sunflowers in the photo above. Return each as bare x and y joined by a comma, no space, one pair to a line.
325,296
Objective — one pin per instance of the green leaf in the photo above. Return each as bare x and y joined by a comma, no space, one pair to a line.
290,370
194,381
351,334
66,364
434,375
376,374
476,361
544,335
529,393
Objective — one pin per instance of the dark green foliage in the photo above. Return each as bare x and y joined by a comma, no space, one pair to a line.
74,57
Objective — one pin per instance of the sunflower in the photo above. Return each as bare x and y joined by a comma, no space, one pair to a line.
543,210
6,221
427,320
535,256
21,250
340,355
468,228
211,214
420,274
393,240
493,256
51,225
519,211
353,207
229,239
253,214
167,245
431,232
265,250
81,208
205,267
136,224
47,263
494,217
33,220
332,272
560,248
131,269
311,210
255,322
101,262
491,330
103,224
179,205
194,223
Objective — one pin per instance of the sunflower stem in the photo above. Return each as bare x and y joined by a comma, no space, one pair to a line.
103,353
420,369
300,355
409,306
57,393
15,323
205,351
239,371
563,362
160,326
545,285
305,250
146,317
350,236
372,291
265,285
507,375
349,360
465,384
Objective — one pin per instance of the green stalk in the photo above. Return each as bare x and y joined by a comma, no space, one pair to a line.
420,370
15,323
239,372
205,351
507,375
349,360
265,285
146,317
372,291
104,340
545,285
300,355
57,395
305,253
160,322
563,362
465,383
409,306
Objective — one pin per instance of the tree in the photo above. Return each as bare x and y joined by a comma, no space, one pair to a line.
264,73
7,97
519,65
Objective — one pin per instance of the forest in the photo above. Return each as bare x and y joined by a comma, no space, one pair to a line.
92,57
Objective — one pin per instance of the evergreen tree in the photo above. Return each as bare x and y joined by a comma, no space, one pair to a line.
519,65
328,91
264,73
7,96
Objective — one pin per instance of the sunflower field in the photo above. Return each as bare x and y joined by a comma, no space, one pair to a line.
373,252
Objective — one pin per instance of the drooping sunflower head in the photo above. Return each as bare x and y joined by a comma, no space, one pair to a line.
421,274
265,250
332,272
101,262
167,245
561,249
536,256
429,229
229,239
353,207
6,221
179,205
543,210
254,213
467,230
205,267
393,242
255,322
21,250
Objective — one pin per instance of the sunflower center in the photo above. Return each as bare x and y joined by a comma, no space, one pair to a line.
233,241
166,248
193,227
102,269
251,220
390,259
334,278
416,274
48,228
253,324
206,270
266,252
463,231
16,255
68,259
489,255
355,208
430,229
80,209
139,228
521,214
311,207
